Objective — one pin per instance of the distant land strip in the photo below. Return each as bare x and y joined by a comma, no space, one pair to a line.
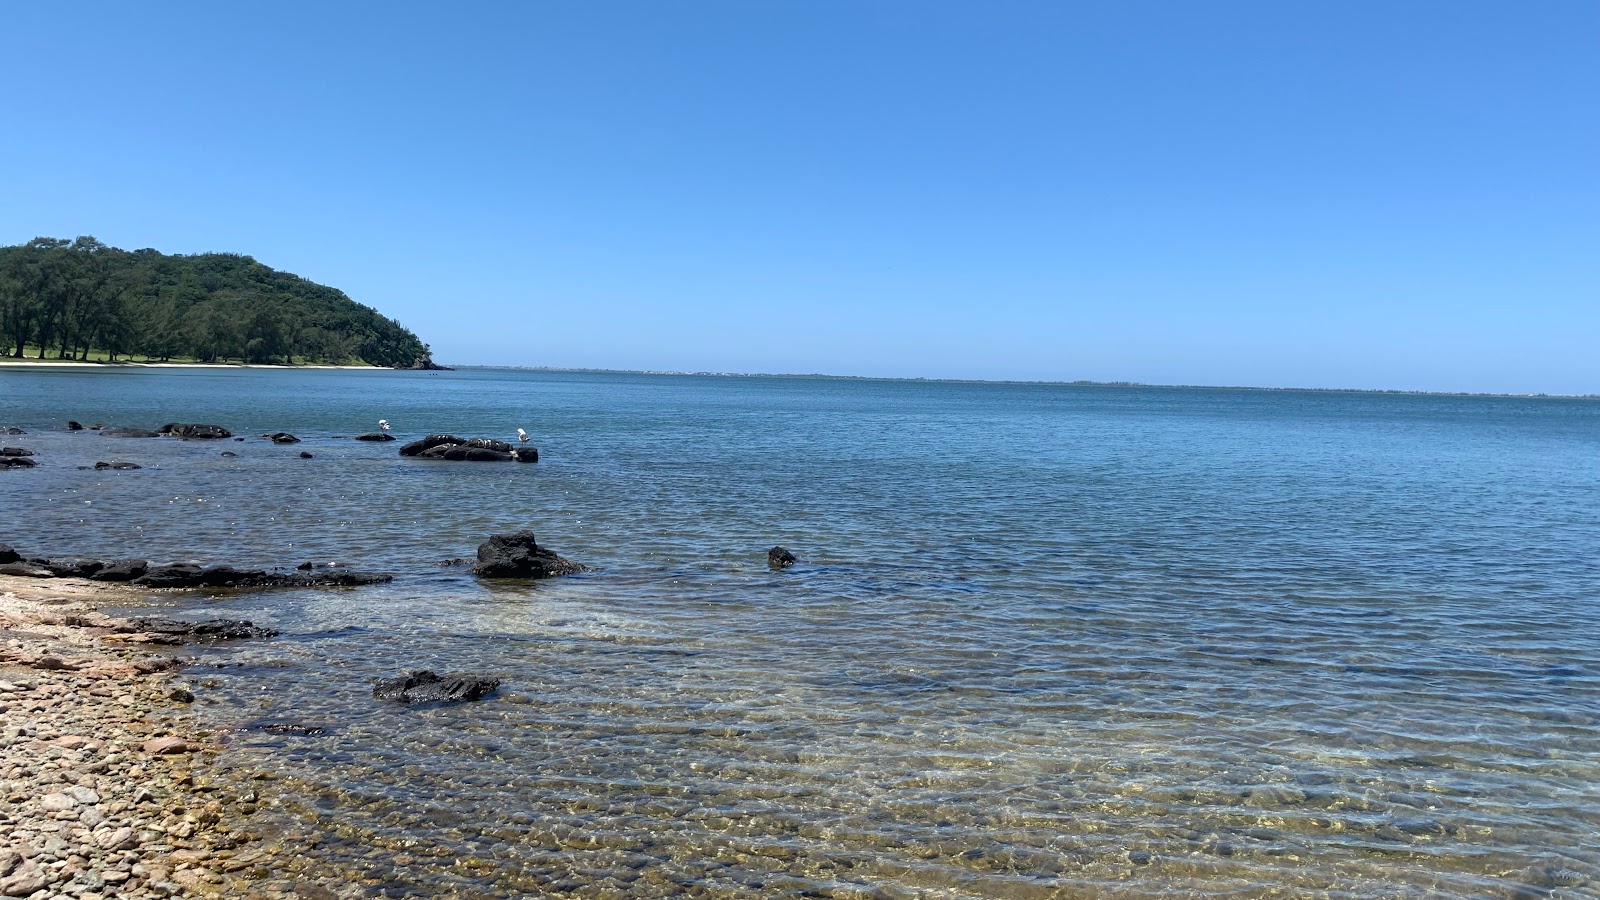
1077,383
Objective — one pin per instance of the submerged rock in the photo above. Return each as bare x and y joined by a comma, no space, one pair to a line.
375,436
188,575
171,631
304,455
426,687
197,431
103,465
779,558
12,430
128,432
281,437
15,451
74,426
17,462
519,556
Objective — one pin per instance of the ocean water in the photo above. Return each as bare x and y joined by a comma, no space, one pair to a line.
1043,640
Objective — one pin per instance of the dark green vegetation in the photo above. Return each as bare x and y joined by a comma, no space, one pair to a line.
71,299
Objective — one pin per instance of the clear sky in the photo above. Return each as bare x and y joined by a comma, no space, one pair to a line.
1338,194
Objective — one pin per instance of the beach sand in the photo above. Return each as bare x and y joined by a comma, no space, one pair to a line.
108,786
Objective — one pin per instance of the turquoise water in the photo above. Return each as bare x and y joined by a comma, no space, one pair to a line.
1043,641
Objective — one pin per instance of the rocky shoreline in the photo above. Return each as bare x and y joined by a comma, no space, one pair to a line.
108,786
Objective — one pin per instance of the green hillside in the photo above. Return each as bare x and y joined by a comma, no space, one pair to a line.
81,299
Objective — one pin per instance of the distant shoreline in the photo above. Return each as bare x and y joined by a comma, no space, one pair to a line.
1078,383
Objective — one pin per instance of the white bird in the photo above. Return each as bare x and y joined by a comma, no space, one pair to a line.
522,435
384,424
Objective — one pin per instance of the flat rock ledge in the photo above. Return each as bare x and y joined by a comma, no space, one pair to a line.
456,449
520,556
180,575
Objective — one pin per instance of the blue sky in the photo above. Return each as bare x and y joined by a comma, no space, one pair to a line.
1353,194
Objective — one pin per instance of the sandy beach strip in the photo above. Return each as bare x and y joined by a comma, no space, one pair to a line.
107,783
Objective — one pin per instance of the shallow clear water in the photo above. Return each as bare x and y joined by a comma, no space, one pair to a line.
1044,640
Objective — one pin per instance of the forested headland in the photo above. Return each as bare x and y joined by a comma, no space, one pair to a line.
82,299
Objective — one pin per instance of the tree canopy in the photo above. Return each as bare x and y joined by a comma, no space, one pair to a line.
70,298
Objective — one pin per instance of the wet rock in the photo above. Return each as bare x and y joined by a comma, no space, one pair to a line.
128,432
102,466
458,561
415,448
281,437
297,729
195,431
67,567
12,430
15,451
168,746
8,555
304,455
454,449
779,558
17,462
188,575
181,695
24,570
170,575
170,631
519,556
229,454
74,426
121,570
375,436
426,687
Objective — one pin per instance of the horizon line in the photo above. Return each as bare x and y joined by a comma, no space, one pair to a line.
1075,383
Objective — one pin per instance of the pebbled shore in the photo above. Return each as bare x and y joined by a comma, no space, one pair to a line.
107,786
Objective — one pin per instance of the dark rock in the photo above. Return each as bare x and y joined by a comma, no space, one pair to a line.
779,558
415,448
196,431
426,687
74,426
69,567
281,437
458,561
171,575
239,439
8,555
116,465
12,430
97,426
121,570
519,556
455,453
426,364
171,631
16,462
483,454
128,432
304,455
15,451
316,566
181,695
527,454
229,453
375,436
25,570
490,444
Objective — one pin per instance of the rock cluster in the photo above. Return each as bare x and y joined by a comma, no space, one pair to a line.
519,556
455,449
16,458
426,687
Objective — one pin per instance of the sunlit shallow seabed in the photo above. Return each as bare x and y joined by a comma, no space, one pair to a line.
1043,641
